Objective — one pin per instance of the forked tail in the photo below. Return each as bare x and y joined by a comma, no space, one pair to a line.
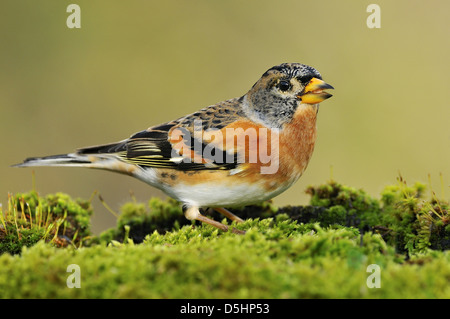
92,157
74,160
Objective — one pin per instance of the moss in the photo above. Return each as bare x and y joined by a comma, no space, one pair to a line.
55,218
316,251
263,210
274,259
12,240
406,220
166,215
345,205
157,215
412,223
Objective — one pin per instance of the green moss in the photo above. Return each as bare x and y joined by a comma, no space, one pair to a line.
274,259
406,220
157,215
12,240
166,215
55,218
316,251
345,205
414,224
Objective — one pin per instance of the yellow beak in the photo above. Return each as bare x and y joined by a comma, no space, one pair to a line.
313,92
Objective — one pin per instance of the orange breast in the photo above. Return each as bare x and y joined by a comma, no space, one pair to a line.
297,140
295,145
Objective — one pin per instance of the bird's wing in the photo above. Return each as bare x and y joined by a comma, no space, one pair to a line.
183,144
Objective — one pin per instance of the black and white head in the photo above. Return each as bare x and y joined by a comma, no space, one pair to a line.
280,91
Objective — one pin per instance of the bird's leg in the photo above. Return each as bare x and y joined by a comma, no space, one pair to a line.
192,212
228,214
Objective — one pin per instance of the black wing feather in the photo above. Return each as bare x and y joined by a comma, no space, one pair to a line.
152,148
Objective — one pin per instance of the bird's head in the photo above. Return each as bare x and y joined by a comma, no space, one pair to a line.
281,89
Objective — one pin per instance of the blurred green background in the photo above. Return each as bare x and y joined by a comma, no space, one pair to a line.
134,64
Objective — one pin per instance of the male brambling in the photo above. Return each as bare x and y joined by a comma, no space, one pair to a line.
219,156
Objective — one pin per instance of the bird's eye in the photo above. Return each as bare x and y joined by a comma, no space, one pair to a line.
284,85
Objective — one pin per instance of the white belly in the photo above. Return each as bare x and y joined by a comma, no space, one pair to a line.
214,194
207,195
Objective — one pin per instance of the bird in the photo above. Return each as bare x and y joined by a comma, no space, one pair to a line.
233,153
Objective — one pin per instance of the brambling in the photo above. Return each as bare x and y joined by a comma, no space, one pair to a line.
234,153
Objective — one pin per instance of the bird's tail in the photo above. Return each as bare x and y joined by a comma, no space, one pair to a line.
73,159
101,157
